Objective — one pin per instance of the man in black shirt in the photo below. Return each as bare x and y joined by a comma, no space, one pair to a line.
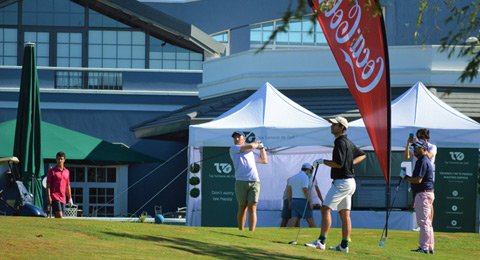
345,155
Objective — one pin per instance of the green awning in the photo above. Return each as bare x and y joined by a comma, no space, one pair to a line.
77,146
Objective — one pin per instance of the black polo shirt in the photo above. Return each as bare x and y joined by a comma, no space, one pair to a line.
343,154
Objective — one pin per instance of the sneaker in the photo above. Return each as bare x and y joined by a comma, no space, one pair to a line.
339,248
419,250
316,244
430,252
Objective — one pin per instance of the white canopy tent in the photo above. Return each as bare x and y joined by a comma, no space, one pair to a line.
419,108
292,134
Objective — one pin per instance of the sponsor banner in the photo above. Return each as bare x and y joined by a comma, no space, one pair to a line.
456,174
219,204
355,33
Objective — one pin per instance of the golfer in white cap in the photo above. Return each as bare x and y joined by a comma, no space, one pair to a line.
345,155
297,193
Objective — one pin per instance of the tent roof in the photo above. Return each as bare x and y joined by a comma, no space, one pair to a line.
77,146
270,115
419,108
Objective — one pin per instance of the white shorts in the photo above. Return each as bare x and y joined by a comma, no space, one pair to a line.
340,194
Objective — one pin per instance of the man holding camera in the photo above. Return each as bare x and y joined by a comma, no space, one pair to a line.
247,184
422,186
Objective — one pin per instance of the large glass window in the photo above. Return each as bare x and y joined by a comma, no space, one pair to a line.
69,50
116,49
52,13
8,46
298,34
41,40
166,56
9,15
93,189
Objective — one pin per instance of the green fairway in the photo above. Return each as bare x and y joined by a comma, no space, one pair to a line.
39,238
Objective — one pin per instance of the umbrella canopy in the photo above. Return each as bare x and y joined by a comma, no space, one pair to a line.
77,146
27,145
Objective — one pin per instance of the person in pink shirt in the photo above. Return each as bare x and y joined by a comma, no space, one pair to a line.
58,183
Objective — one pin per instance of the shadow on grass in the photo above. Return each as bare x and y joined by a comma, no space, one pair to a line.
200,248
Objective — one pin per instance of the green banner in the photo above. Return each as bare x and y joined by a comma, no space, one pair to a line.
455,204
219,204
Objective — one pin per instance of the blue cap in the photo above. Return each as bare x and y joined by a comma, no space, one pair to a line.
420,143
238,133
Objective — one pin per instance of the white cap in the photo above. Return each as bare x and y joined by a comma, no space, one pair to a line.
307,166
339,120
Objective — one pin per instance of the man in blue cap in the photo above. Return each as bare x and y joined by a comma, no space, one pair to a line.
422,185
247,184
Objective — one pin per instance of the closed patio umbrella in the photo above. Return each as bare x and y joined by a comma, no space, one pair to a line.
27,144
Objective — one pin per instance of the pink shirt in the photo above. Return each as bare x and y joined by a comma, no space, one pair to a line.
59,181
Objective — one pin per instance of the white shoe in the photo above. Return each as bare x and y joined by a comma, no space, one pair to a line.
339,248
316,244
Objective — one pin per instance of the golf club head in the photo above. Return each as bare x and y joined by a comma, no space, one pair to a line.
292,242
381,243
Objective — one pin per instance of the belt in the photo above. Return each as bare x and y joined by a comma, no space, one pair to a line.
424,191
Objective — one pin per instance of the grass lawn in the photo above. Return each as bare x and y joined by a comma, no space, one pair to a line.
42,238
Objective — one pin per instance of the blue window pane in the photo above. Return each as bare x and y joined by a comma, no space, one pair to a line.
109,37
1,35
1,49
124,52
10,18
44,19
42,61
155,64
42,37
124,37
109,51
196,56
10,35
61,6
95,20
77,19
195,65
182,65
29,5
138,38
10,61
268,27
62,50
295,25
29,37
138,52
282,38
124,63
76,50
75,62
29,18
76,38
295,37
168,64
63,37
95,37
109,63
45,6
182,55
62,62
308,38
255,36
42,49
155,55
10,48
61,19
138,64
94,51
95,63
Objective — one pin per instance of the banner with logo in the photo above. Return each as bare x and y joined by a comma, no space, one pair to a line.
355,33
456,174
219,204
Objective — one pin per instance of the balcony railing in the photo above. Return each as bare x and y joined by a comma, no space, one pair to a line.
88,80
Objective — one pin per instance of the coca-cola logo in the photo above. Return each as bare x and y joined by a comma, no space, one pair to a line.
347,31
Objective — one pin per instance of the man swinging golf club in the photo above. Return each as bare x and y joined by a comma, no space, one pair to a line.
345,155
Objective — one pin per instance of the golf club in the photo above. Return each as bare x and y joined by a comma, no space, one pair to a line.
384,239
305,208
